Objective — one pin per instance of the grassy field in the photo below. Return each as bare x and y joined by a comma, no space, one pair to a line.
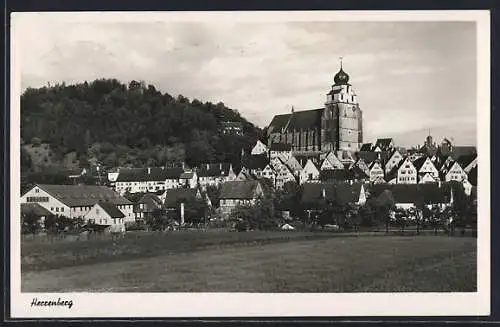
280,262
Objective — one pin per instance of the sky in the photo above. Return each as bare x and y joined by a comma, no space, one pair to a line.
410,77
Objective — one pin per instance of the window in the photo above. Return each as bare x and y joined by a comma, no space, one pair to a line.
37,190
57,209
97,210
51,208
62,209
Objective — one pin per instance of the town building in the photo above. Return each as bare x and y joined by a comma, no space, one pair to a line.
309,173
259,148
336,126
106,215
239,193
147,206
75,201
214,174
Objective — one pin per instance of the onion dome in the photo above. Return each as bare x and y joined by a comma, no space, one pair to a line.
341,78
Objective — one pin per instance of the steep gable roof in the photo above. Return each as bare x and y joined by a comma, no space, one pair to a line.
383,143
366,147
419,162
466,159
150,199
305,119
279,122
238,189
34,209
368,156
83,195
111,210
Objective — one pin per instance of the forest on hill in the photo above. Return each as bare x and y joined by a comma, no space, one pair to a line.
116,124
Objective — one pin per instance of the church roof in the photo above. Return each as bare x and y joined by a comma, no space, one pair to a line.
281,147
366,147
298,120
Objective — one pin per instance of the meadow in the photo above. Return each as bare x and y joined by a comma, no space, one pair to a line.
253,262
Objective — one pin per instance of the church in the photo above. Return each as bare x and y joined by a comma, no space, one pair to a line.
338,126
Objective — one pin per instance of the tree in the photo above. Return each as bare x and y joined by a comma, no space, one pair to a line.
259,216
213,193
195,210
30,223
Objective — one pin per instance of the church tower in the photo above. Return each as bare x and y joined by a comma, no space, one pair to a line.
342,120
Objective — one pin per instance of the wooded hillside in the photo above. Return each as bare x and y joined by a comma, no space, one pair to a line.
116,124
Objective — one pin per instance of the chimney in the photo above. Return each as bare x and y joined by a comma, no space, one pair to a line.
149,170
439,183
182,213
323,194
208,166
183,165
220,166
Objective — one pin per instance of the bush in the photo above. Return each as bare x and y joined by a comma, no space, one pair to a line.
36,142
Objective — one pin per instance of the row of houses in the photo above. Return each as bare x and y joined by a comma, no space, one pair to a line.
379,163
100,205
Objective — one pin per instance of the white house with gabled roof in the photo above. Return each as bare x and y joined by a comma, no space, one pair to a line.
407,173
259,148
455,173
309,173
394,159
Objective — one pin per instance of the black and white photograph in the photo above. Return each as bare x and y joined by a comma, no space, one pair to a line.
250,164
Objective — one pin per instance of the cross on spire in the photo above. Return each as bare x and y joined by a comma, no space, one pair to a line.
340,58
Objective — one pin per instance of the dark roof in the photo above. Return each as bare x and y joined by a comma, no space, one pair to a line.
466,159
153,174
256,161
186,175
279,122
419,162
383,144
366,147
340,193
334,175
430,193
428,150
111,210
458,151
35,209
358,173
473,176
280,147
238,189
367,156
214,170
150,201
305,119
176,195
83,195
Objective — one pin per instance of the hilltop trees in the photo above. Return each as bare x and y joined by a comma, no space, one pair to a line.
129,121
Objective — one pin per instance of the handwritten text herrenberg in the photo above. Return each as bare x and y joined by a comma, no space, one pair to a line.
59,302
